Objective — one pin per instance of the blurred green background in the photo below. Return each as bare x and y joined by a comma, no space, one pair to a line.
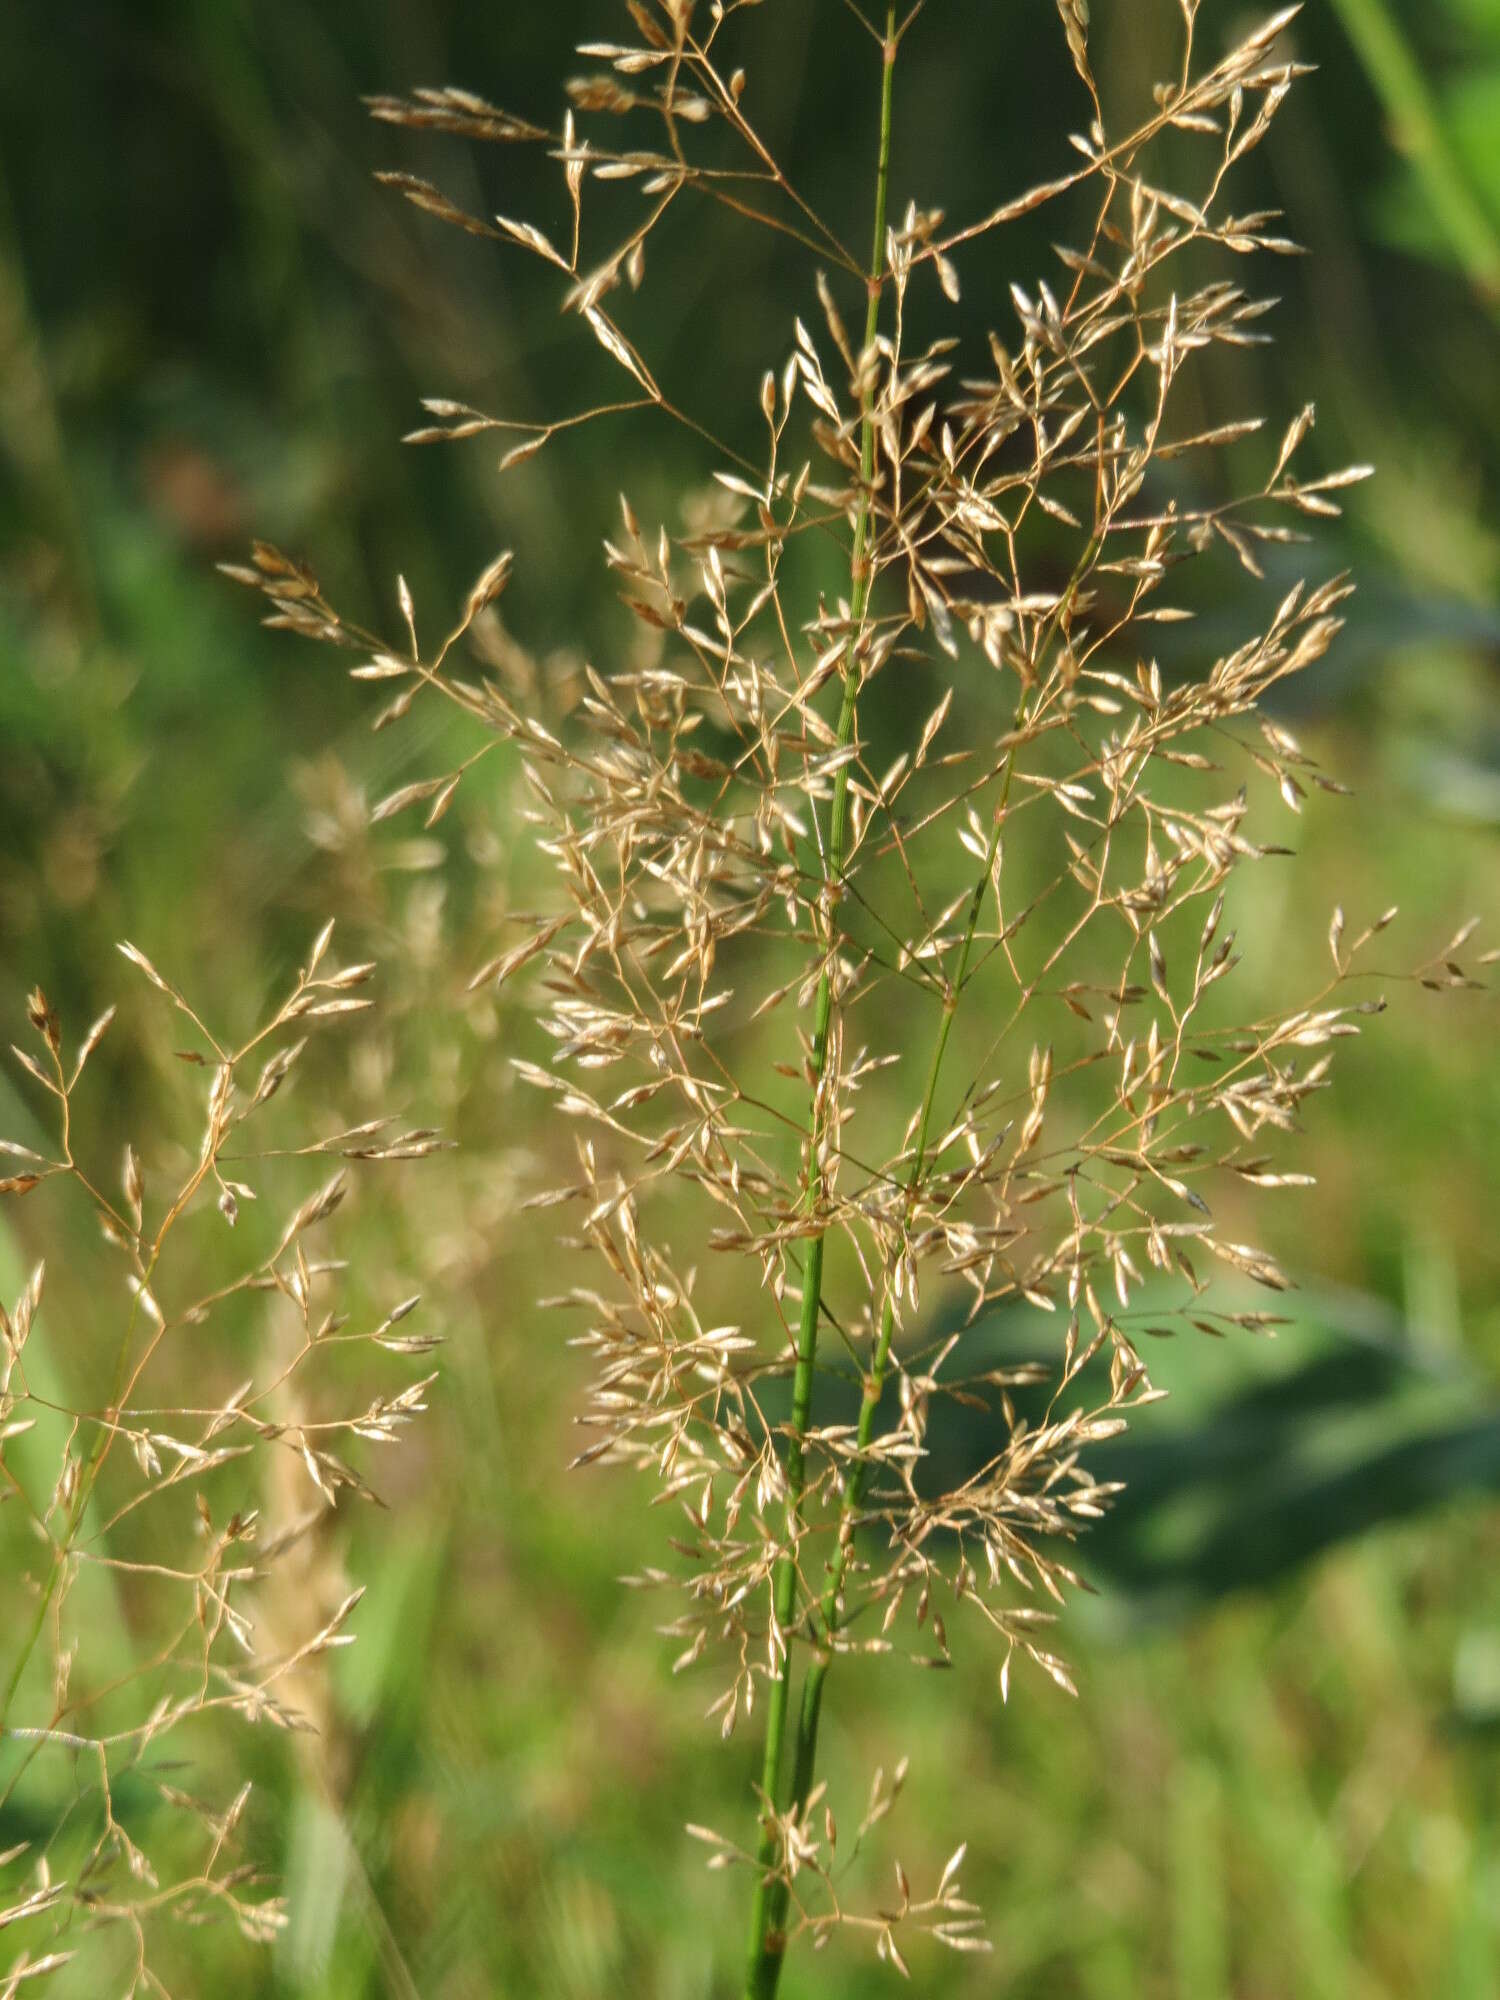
1282,1777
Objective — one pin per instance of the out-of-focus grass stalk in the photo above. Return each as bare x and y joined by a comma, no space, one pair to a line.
88,1475
1417,130
768,1911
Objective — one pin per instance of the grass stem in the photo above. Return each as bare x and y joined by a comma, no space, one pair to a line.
1418,135
768,1912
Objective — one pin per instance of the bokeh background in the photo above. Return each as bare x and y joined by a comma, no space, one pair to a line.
1282,1776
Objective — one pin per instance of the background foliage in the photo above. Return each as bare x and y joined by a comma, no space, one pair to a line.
1281,1778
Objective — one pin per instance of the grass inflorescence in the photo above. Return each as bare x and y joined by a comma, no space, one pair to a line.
891,967
169,1587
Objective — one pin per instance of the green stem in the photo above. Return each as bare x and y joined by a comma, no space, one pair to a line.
1417,131
768,1911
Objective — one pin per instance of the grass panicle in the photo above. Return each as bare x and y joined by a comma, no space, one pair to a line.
891,969
173,1586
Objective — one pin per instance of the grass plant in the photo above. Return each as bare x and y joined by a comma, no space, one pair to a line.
162,1531
758,806
890,968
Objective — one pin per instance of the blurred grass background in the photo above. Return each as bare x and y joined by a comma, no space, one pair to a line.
1282,1776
